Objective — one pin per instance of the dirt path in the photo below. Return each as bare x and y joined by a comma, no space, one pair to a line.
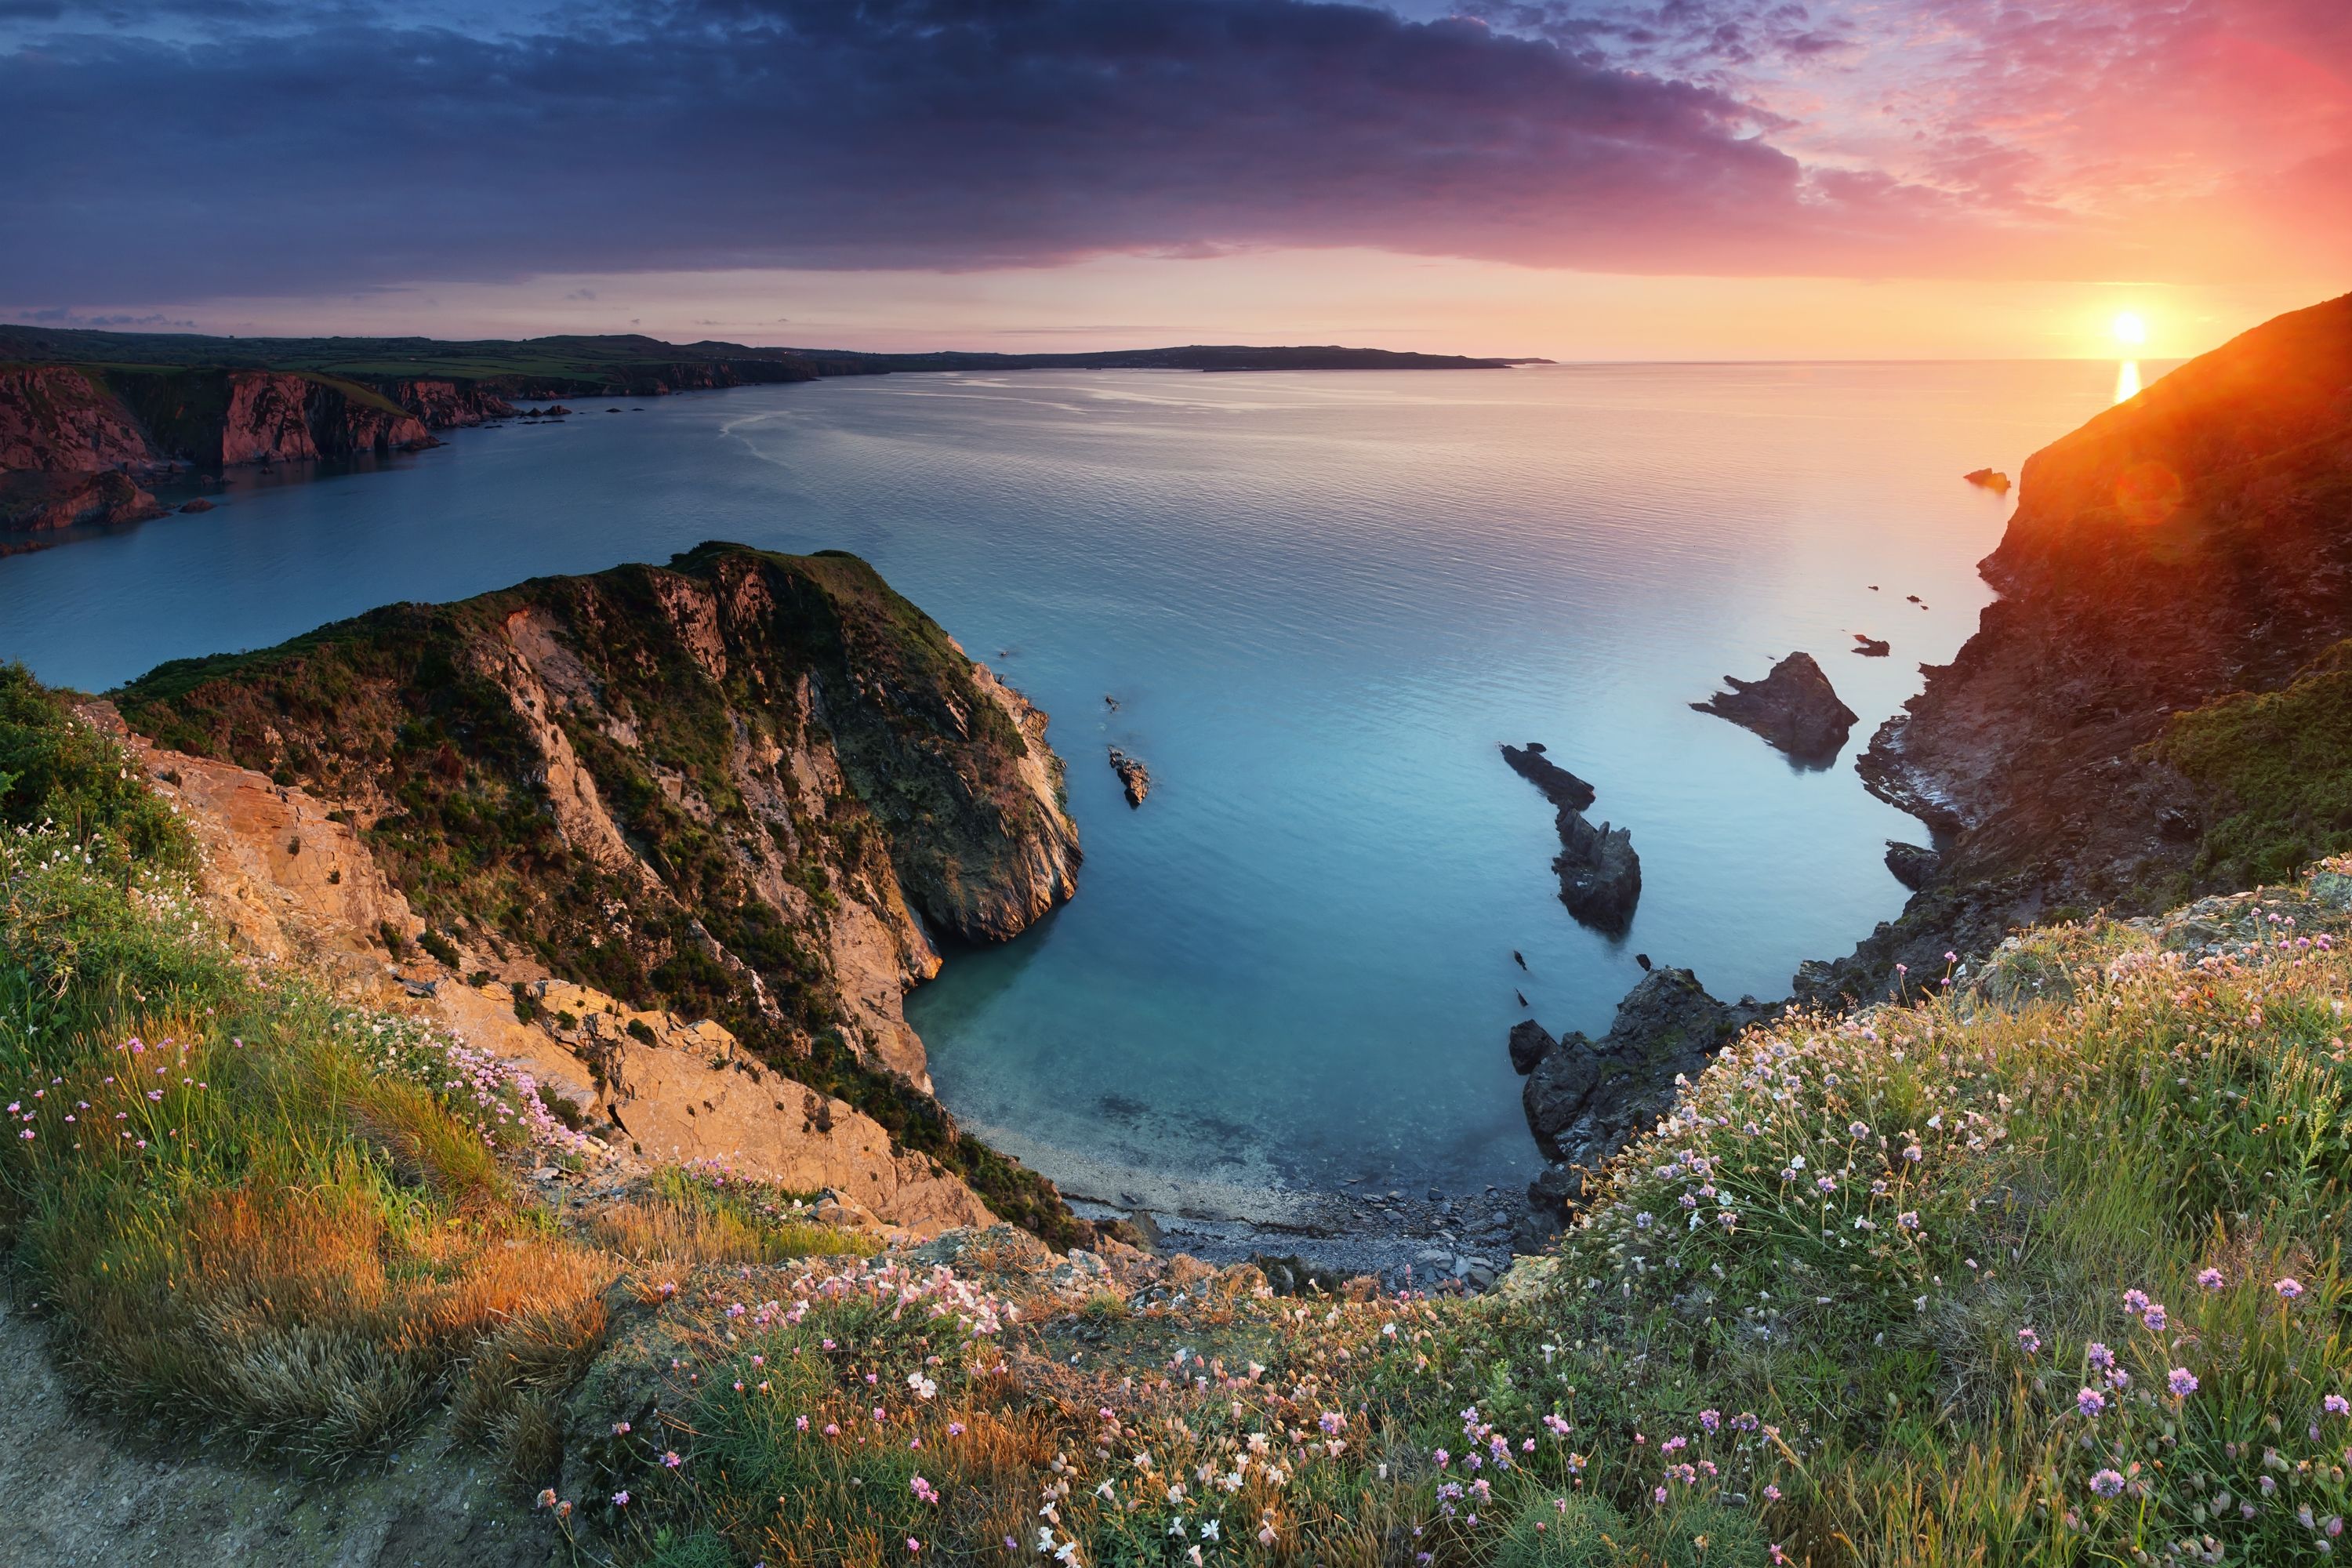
81,1491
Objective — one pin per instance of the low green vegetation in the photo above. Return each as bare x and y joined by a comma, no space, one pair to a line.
2045,1269
2053,1281
2280,763
248,1209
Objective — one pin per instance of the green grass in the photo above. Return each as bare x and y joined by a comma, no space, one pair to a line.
2281,764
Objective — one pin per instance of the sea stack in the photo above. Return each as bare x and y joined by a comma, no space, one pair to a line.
1133,777
1793,706
1599,875
1992,480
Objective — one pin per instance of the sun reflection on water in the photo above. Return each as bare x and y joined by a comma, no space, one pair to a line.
2126,381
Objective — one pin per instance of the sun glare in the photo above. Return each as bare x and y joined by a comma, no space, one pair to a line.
2129,330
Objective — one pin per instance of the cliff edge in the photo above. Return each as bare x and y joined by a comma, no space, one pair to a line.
2192,546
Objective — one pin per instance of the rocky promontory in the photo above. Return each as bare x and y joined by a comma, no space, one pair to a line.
2192,546
1134,778
743,786
1793,706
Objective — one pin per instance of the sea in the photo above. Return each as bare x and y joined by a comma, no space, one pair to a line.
1315,605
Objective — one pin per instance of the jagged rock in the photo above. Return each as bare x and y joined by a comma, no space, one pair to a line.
1530,1043
1586,1097
1133,777
1870,647
1793,706
1599,875
1559,785
1914,865
1991,480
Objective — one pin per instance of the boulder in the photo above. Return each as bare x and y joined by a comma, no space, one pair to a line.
199,504
1793,706
1914,865
1992,480
1599,875
1585,1098
1871,647
1560,786
1530,1043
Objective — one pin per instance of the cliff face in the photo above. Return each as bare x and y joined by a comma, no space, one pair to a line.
61,420
749,786
447,405
280,417
62,426
2193,543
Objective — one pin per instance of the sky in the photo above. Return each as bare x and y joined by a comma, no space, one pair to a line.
1579,179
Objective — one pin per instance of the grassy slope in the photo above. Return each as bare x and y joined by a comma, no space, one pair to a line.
2279,765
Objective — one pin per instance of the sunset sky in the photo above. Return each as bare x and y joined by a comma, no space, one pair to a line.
1601,179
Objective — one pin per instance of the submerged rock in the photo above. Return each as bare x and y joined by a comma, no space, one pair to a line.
1793,706
1560,786
1132,776
1599,875
1584,1098
199,504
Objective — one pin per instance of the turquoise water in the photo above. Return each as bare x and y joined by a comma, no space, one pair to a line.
1321,601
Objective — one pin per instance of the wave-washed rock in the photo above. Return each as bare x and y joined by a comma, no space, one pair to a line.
1133,777
1584,1098
1793,706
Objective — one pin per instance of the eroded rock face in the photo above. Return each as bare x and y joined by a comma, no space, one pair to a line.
750,786
291,881
1585,1098
62,419
1793,706
282,416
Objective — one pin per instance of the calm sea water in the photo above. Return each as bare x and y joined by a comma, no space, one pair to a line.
1321,600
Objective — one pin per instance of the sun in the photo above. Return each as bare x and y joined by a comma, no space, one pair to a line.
2129,330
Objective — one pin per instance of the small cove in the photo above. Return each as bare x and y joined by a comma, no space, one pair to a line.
1320,600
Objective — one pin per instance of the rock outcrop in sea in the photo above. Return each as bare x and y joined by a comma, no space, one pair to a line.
1133,777
1584,1098
1559,785
1992,480
1599,875
1793,706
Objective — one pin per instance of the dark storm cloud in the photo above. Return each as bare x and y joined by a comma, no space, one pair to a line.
706,133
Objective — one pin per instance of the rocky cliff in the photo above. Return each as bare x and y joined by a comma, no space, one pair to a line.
749,787
2189,545
69,434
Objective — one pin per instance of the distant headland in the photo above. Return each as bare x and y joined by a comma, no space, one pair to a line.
86,417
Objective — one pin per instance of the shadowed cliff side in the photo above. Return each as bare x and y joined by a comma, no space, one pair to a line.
2190,546
748,786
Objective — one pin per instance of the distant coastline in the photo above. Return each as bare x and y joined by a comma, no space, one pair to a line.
88,419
